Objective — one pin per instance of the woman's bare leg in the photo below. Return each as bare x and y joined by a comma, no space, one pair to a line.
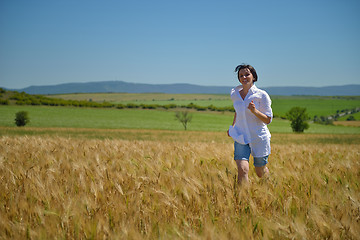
261,171
243,171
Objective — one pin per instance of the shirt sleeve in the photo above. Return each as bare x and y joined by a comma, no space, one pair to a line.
265,106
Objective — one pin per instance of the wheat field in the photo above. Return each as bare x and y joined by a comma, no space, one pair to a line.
67,188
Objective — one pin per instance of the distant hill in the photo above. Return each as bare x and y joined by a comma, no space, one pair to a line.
126,87
345,90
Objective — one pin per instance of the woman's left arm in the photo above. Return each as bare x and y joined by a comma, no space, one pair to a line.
264,118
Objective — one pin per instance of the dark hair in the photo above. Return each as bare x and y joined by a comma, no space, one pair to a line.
251,68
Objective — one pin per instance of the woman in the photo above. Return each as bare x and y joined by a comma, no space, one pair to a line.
249,129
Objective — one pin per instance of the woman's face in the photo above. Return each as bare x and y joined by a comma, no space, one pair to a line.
245,77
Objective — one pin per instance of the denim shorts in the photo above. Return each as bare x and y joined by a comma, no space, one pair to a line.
242,152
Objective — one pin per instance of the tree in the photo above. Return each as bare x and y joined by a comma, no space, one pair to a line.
298,118
184,117
21,118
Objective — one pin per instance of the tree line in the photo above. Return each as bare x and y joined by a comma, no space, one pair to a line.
23,98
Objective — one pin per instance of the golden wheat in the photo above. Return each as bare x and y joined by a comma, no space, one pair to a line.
57,187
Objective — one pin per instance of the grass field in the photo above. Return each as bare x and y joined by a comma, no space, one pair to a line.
356,116
71,117
112,118
175,185
316,105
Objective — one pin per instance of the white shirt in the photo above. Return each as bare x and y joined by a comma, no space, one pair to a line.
249,129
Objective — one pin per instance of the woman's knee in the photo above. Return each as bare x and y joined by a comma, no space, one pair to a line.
243,166
261,171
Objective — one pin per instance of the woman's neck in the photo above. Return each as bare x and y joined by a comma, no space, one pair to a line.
246,87
244,91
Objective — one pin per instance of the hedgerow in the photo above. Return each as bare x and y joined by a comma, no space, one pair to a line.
23,98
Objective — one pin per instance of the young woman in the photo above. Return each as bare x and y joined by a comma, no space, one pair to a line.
249,129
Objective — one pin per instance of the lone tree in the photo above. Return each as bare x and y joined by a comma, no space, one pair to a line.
21,118
298,118
184,117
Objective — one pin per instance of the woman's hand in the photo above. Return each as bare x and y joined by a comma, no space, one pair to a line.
252,107
264,118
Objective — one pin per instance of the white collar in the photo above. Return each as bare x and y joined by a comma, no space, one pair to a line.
253,88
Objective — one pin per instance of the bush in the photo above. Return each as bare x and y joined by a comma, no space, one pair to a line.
120,106
323,120
4,102
149,106
167,106
212,107
200,108
190,105
298,118
132,105
22,118
351,118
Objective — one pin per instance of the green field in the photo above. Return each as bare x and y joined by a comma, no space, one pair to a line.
356,116
42,116
71,117
315,105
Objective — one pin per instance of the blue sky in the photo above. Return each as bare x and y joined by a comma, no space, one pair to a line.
290,43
